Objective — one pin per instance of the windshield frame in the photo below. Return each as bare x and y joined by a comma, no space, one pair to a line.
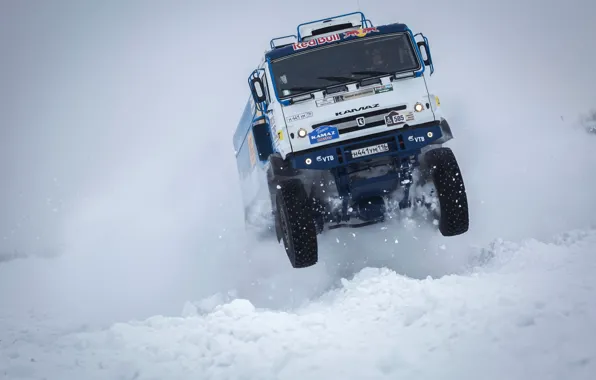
412,45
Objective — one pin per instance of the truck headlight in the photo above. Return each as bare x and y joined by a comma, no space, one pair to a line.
418,107
302,132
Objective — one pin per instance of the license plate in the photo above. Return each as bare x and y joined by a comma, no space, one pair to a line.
367,151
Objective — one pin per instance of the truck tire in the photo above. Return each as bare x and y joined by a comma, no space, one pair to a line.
296,223
442,169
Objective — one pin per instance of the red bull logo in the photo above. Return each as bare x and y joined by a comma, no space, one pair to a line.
360,32
316,42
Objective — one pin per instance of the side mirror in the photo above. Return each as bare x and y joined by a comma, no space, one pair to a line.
258,90
424,52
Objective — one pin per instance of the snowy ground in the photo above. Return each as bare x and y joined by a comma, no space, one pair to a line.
122,249
526,312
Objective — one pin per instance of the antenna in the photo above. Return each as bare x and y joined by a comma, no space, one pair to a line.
365,24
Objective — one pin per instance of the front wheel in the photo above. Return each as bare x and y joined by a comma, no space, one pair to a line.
442,169
296,224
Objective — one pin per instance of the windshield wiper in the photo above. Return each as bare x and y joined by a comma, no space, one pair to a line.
335,88
303,89
329,89
371,77
338,79
371,72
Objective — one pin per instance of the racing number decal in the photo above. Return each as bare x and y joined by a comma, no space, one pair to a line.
395,118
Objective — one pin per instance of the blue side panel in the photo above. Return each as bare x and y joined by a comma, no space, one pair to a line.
251,170
246,158
243,126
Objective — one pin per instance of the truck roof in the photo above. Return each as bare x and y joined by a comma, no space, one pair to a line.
303,44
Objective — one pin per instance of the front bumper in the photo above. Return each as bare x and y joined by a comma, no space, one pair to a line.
402,142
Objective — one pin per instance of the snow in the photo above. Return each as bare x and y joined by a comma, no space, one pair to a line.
123,253
526,312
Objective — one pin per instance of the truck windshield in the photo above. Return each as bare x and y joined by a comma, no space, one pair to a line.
344,63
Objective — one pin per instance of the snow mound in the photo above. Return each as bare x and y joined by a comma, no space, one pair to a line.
526,311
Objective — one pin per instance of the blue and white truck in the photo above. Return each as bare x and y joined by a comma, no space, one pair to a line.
340,125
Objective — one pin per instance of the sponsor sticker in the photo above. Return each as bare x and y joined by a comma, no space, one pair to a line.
354,95
298,117
325,158
322,134
358,94
326,101
395,118
316,42
382,89
360,32
418,139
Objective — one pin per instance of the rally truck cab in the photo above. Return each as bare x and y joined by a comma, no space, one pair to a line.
339,127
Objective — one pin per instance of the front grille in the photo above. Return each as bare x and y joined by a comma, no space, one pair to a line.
348,124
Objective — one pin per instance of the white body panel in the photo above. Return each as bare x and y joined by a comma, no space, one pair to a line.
279,132
389,94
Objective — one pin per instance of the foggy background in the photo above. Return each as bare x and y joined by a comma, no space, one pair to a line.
116,158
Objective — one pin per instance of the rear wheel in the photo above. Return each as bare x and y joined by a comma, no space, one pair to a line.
298,230
441,168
